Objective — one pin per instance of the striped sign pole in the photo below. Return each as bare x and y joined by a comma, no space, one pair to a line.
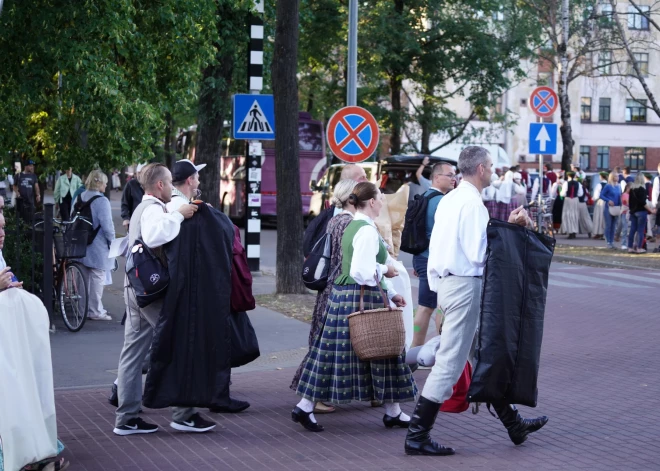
254,150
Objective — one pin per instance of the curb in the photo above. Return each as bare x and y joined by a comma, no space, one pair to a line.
595,263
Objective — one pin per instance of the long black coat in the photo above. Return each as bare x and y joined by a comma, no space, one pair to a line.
512,312
191,350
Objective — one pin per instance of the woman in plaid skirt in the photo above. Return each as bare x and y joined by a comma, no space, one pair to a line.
333,372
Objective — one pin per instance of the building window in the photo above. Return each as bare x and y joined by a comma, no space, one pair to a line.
635,111
605,19
605,62
604,109
585,110
603,160
637,20
642,60
584,157
635,158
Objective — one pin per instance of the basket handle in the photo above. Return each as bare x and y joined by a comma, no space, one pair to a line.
386,303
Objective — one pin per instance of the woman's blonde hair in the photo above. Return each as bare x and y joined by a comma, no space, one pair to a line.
95,180
343,190
613,179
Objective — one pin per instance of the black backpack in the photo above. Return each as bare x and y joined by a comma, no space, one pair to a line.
413,238
146,274
316,267
84,221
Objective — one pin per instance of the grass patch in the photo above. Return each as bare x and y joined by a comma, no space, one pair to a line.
298,306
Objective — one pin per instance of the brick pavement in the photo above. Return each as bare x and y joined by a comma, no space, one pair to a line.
598,383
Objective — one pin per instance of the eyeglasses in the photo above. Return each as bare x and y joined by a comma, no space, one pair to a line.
451,176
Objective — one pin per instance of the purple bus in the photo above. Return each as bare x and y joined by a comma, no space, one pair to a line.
312,165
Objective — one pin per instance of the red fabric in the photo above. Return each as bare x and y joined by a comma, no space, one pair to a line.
458,401
241,278
552,176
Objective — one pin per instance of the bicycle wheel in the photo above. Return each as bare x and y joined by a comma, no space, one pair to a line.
73,298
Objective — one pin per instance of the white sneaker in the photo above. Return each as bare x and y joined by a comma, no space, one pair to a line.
102,317
623,247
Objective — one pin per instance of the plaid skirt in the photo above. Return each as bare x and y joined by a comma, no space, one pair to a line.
503,210
491,206
333,372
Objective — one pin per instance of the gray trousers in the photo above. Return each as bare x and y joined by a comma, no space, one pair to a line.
138,334
460,299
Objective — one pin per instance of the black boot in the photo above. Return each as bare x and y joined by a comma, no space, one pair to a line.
517,427
418,440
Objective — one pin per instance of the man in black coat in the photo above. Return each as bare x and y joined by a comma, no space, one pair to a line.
131,197
317,228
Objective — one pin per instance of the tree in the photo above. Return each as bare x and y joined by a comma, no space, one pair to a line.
580,43
217,82
287,168
99,76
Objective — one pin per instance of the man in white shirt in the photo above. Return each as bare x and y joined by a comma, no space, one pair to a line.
155,226
456,262
185,181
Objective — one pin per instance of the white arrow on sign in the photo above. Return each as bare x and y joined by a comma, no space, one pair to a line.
543,137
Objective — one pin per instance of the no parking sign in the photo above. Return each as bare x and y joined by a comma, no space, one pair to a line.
353,134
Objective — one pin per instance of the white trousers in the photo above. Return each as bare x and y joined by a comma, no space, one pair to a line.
94,279
460,300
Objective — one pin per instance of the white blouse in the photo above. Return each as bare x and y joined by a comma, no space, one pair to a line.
366,244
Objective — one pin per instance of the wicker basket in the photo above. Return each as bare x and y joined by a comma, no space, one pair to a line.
377,334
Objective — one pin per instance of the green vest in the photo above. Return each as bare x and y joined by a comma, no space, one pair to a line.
347,249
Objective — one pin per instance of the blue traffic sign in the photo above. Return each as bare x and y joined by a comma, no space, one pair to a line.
543,138
254,117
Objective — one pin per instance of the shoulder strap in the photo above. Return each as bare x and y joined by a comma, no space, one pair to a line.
86,203
135,227
435,194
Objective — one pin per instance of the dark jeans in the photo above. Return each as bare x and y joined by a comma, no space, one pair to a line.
637,227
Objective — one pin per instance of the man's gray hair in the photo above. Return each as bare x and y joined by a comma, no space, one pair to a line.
470,159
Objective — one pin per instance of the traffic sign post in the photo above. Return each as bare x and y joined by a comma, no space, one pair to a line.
352,134
542,138
254,117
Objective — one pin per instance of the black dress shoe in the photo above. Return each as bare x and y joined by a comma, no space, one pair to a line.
517,427
114,399
235,406
395,421
300,416
418,440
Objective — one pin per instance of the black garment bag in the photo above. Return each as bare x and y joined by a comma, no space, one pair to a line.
515,285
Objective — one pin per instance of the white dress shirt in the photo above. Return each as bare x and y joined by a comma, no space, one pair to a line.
178,200
458,241
564,189
366,244
158,226
655,193
3,264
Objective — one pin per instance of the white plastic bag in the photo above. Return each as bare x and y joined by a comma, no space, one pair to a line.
401,284
28,426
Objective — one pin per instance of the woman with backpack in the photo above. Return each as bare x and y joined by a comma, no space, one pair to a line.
335,230
333,372
96,261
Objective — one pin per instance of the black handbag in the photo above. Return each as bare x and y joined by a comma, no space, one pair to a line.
244,343
146,274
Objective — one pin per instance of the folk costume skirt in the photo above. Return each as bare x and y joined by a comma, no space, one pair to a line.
333,373
599,218
570,217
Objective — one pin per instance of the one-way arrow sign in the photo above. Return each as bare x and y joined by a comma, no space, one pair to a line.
543,138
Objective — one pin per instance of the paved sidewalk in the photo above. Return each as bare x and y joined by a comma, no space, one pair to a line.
598,384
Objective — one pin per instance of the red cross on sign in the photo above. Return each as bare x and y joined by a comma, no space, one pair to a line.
352,134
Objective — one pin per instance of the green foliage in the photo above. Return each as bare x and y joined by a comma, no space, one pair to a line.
433,51
88,83
18,247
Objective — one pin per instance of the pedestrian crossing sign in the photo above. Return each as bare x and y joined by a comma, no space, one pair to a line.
254,117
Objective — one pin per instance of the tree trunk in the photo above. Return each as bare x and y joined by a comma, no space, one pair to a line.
287,168
396,85
425,123
169,148
564,101
213,104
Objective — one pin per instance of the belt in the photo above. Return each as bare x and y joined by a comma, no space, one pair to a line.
451,274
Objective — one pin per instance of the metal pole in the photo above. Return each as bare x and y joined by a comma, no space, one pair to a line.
539,214
351,89
47,291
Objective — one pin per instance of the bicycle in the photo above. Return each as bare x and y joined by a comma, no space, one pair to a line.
69,288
